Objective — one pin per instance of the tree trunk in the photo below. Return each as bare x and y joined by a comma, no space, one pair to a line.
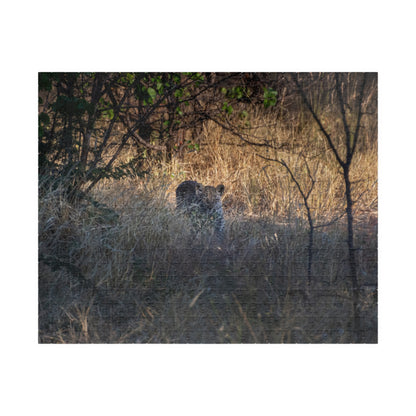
351,257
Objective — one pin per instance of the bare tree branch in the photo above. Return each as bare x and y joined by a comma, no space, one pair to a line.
318,121
344,117
360,112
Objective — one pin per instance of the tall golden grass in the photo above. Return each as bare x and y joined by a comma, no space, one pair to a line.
129,268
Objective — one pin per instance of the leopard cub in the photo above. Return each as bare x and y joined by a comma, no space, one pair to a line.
202,203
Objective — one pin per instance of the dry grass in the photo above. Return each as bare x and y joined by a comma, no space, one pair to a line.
133,270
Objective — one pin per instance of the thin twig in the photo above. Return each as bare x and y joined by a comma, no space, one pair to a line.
344,117
360,112
318,121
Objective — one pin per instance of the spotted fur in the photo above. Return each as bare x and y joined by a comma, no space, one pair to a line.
202,203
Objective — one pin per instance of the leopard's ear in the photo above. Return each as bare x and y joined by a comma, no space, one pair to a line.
220,189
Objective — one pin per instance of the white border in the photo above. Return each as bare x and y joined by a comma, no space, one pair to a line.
261,36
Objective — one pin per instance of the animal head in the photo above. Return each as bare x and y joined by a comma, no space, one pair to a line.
209,196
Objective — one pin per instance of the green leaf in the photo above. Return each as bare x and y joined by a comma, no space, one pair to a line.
130,78
178,93
109,113
270,97
193,146
227,107
159,87
152,93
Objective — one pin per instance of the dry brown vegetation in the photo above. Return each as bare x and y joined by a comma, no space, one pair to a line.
128,268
